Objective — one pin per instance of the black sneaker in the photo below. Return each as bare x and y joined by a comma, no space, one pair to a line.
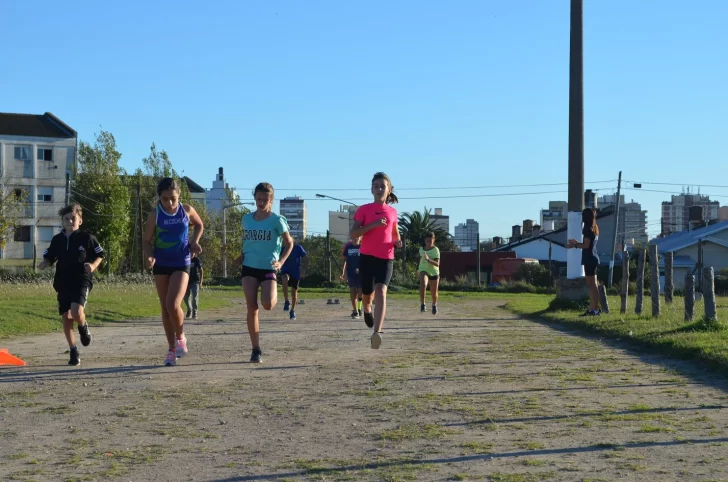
434,309
85,334
194,314
369,319
423,308
256,356
361,313
75,358
354,315
188,314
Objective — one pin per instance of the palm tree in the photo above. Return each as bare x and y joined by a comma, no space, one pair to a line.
416,225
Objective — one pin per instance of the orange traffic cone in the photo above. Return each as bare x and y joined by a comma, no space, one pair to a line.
8,359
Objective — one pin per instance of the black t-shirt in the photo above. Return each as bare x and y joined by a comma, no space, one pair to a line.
590,256
195,270
71,253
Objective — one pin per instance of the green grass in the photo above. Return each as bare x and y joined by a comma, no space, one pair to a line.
34,308
669,334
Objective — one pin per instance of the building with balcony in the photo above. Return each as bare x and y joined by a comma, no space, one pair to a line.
37,152
293,208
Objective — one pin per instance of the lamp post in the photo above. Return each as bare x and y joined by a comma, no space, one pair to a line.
328,246
224,234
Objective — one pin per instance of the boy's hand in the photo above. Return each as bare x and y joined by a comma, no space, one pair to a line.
150,262
88,267
43,264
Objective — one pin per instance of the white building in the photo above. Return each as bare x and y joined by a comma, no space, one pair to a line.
341,222
676,212
220,193
293,208
440,220
632,221
466,235
36,153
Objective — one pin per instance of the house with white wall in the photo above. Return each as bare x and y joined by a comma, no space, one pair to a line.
36,153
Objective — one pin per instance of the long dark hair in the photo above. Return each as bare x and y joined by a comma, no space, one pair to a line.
589,218
263,187
167,183
391,197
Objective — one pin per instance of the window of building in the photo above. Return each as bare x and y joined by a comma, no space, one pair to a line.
46,233
45,194
22,234
22,153
45,154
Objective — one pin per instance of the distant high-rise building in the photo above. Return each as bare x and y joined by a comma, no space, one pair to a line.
632,219
557,213
466,235
341,221
676,212
723,213
590,199
220,194
440,220
293,208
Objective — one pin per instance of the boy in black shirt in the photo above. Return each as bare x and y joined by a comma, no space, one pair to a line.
193,287
78,255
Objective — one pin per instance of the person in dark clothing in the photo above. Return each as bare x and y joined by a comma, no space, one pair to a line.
76,255
589,256
193,287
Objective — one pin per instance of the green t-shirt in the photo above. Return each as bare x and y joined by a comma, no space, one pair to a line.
428,268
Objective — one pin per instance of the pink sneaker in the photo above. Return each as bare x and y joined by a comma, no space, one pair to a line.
180,346
171,359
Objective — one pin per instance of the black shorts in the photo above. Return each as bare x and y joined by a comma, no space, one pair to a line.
259,274
292,282
353,280
431,278
77,295
590,269
168,270
374,271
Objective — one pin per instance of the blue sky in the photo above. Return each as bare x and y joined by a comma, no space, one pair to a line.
317,96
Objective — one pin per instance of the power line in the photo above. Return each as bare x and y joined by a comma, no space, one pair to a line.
678,184
435,188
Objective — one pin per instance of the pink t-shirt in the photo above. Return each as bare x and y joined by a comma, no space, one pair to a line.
378,241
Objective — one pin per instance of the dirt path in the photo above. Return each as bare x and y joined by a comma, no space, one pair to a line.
473,393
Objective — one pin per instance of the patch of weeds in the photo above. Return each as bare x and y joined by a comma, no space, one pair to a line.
416,431
59,410
18,456
477,447
534,463
639,407
525,477
631,466
654,429
530,445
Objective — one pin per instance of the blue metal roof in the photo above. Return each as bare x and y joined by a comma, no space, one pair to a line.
688,238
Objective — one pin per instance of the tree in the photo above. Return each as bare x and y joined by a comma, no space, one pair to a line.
98,187
416,225
13,204
315,247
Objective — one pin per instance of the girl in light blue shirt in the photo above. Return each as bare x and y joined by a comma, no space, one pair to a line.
264,234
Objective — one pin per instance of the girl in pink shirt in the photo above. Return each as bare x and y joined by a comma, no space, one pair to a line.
376,224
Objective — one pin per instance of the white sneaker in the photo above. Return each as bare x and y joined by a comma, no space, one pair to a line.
376,341
180,346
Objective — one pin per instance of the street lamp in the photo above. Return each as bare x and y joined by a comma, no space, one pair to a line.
328,234
337,199
224,234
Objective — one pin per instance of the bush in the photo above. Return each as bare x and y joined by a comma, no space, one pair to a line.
533,274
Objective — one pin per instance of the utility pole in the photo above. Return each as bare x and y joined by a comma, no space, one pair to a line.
328,255
404,257
224,242
614,238
68,188
576,136
141,226
477,256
